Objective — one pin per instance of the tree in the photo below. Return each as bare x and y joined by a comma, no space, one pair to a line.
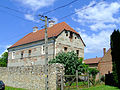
4,59
93,72
71,63
115,52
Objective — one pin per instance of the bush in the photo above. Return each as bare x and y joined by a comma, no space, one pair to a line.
102,78
93,72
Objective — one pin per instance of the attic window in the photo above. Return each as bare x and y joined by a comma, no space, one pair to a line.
65,48
71,35
66,33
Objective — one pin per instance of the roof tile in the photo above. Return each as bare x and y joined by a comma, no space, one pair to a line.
92,60
55,30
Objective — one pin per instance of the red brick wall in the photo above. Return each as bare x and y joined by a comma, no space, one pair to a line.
105,65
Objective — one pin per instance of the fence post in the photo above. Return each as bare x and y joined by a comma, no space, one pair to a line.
88,79
62,87
77,79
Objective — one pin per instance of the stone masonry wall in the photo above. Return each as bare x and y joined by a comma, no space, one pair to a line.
73,44
30,77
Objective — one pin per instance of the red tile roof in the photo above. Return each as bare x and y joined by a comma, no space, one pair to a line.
92,60
39,35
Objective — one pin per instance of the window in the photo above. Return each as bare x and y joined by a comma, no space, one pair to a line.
43,49
29,52
22,55
75,37
66,33
65,48
77,51
71,35
13,55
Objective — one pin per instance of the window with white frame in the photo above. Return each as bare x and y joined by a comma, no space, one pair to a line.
13,55
43,49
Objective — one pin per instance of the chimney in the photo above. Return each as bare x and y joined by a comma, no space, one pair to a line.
51,23
104,51
35,29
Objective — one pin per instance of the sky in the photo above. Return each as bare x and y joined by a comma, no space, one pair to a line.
95,20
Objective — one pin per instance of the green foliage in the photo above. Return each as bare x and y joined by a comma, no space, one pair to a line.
115,52
93,72
71,63
4,59
102,78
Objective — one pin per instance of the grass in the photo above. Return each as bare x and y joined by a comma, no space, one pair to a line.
98,87
11,88
102,87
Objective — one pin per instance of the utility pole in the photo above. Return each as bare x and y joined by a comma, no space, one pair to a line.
46,55
46,52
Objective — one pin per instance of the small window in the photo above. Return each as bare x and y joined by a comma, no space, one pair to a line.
13,55
71,35
66,33
77,51
22,55
65,48
29,52
75,37
43,49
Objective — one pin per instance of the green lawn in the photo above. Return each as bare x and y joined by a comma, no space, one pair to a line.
102,87
11,88
99,87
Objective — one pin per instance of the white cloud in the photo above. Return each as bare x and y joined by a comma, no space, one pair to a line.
98,15
96,42
36,4
30,17
102,26
55,19
5,48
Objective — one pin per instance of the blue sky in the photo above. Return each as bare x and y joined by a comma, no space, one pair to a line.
95,24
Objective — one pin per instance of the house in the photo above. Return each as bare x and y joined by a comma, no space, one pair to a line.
30,50
105,65
92,62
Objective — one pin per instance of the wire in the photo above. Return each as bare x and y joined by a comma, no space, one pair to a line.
77,11
59,7
13,9
17,16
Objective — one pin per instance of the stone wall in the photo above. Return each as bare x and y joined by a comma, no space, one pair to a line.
30,77
73,44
